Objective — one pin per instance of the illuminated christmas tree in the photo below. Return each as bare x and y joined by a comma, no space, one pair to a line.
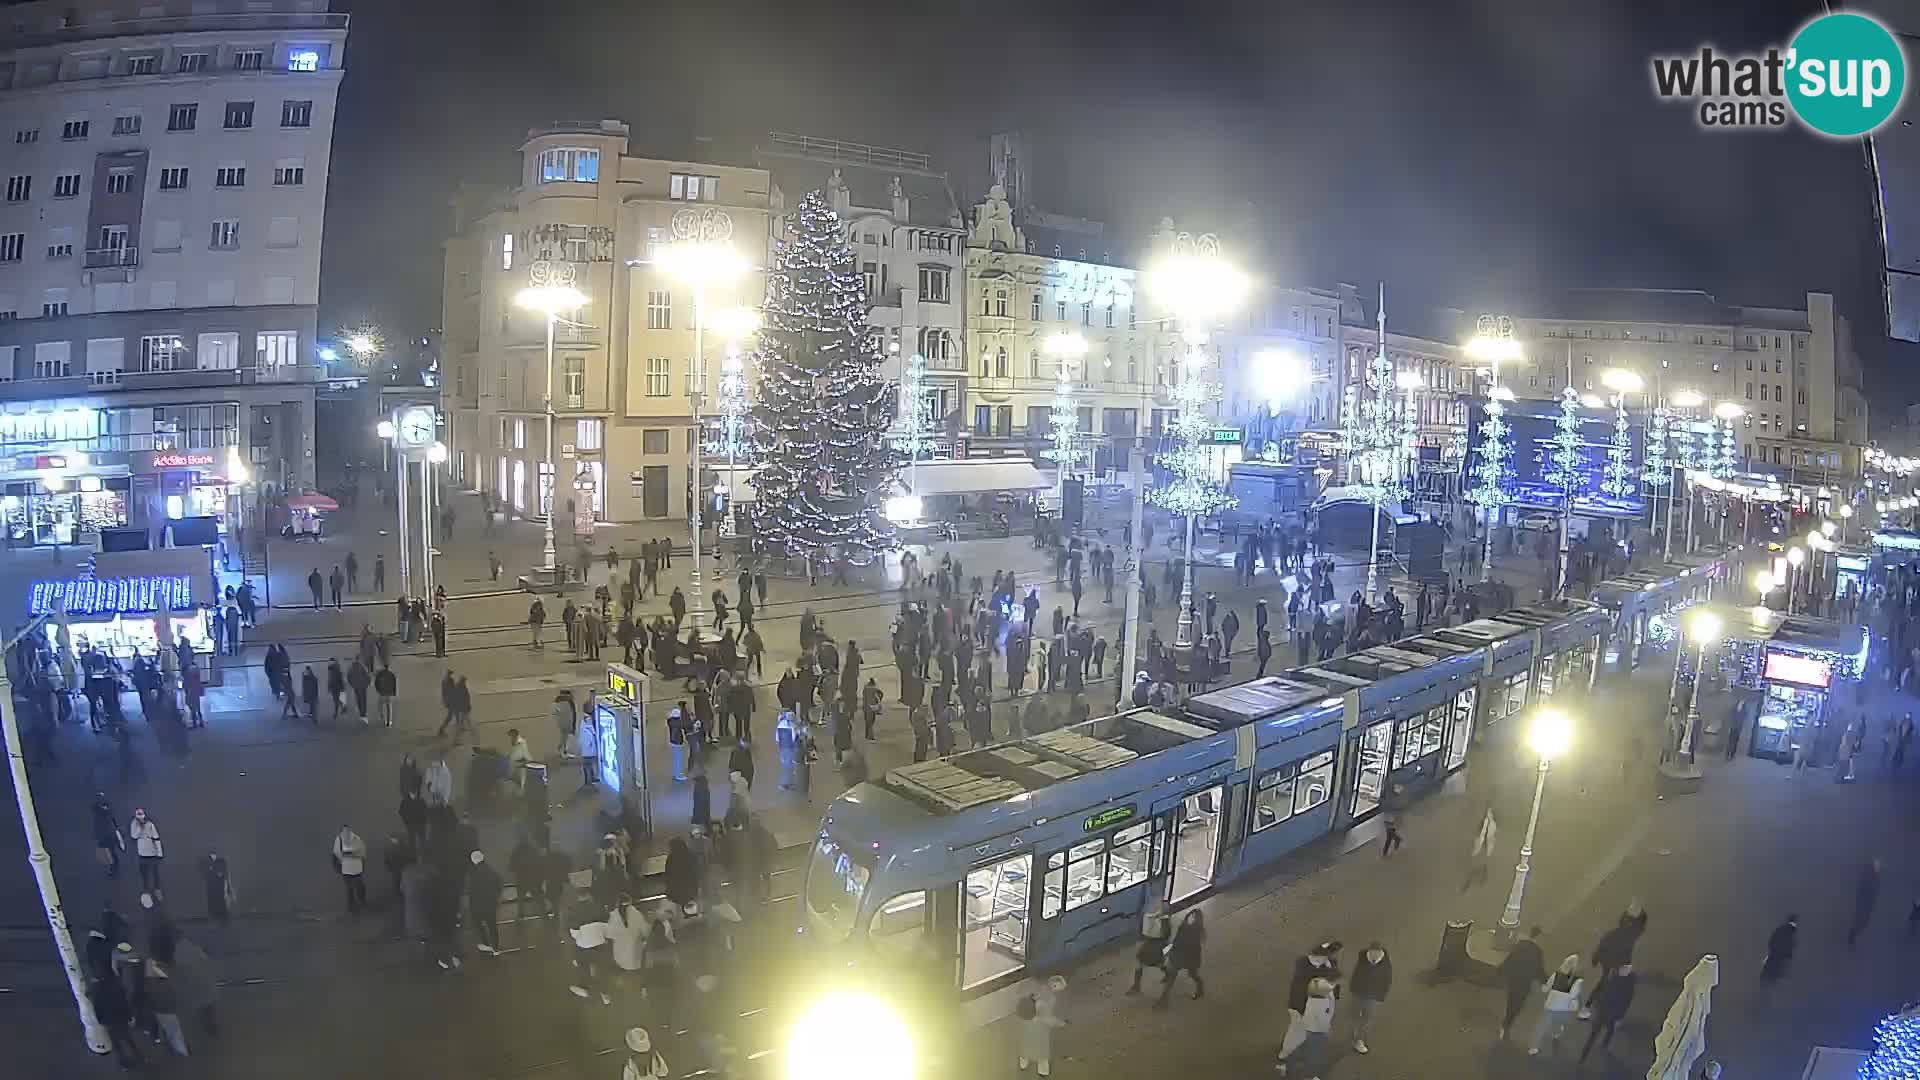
1192,490
1617,480
1896,1047
1727,461
823,411
914,427
1566,462
1659,470
1492,472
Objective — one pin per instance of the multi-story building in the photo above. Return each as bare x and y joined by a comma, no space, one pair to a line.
1794,372
908,235
165,183
623,376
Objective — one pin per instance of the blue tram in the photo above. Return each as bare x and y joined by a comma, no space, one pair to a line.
1015,858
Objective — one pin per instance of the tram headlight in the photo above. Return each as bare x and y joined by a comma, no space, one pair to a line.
848,1035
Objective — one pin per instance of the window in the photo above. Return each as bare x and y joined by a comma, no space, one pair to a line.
655,441
26,135
1800,396
60,243
506,251
111,238
191,63
1033,311
230,176
1128,863
74,129
1109,315
127,125
1060,310
1779,365
296,114
239,115
289,174
982,419
870,277
106,358
1749,391
659,376
159,352
933,284
899,926
574,379
1273,798
275,349
1315,785
659,310
13,246
52,359
299,59
55,305
1086,872
182,117
19,188
249,60
119,181
1000,302
693,188
589,434
225,234
1749,363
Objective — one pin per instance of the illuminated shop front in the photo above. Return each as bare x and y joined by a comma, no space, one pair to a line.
61,499
1807,660
130,604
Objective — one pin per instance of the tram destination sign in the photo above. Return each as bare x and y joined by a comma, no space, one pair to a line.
1111,816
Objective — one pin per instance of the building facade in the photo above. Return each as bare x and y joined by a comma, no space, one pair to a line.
165,187
623,379
1794,372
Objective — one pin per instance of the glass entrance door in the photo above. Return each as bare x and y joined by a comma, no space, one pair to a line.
1196,844
1461,735
993,905
1370,779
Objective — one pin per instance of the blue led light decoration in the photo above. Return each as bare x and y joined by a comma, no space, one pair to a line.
1726,461
1189,460
1896,1047
1565,461
1492,472
823,409
1617,479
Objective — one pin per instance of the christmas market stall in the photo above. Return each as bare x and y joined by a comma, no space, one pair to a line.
120,603
1806,661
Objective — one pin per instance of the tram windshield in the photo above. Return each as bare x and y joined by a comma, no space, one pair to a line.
835,884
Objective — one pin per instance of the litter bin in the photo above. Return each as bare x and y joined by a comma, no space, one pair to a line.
1453,948
485,769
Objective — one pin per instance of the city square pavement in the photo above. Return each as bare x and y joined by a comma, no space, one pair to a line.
318,994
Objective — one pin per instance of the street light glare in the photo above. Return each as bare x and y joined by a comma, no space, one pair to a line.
384,429
1846,510
1729,410
1688,399
437,453
1762,582
701,264
1703,627
1278,375
1828,528
1066,345
850,1036
550,299
734,323
1621,381
1796,556
1408,380
1551,733
362,344
1493,349
1591,401
1197,286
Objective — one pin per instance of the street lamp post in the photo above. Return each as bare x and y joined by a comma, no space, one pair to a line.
1549,737
551,293
1795,556
1704,627
1687,401
385,430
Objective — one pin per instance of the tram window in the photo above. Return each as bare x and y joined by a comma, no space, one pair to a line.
1054,886
899,925
835,884
1273,802
1434,732
1127,865
1315,784
1086,875
1406,740
1516,693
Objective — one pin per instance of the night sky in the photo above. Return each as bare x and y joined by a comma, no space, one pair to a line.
1469,154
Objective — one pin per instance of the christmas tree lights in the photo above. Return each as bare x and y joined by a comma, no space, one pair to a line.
823,409
1566,464
1065,434
729,436
1896,1047
1659,471
1727,461
1617,479
914,427
1491,473
1191,490
1374,436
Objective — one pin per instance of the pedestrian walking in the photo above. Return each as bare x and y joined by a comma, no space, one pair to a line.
108,843
360,680
1780,946
1480,859
337,583
353,572
1524,968
1039,1014
317,586
1615,948
1155,934
386,686
483,903
1372,979
1391,823
1866,893
336,687
350,861
1317,964
1183,954
1309,1054
1610,1005
1563,1000
217,882
147,846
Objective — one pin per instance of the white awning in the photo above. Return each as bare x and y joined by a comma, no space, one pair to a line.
976,476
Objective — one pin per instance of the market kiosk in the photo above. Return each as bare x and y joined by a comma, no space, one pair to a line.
122,604
620,714
1806,661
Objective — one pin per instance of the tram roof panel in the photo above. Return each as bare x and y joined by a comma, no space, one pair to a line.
1488,631
1369,665
1432,647
1256,700
1339,681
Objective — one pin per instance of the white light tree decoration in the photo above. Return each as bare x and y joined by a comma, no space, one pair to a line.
1492,472
1617,480
1066,452
1727,462
914,425
1658,470
1373,435
730,436
1566,470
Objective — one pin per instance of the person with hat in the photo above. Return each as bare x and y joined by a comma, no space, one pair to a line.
646,1062
483,903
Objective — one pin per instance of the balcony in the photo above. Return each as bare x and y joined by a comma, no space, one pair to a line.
111,258
888,297
564,336
83,385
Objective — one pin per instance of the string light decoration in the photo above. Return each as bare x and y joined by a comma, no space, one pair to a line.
1659,471
1492,472
1617,479
1727,461
730,436
1566,464
914,426
823,409
1191,489
1896,1047
1065,433
1374,436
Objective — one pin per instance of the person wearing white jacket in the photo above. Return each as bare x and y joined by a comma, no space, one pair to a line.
350,858
1563,1000
627,931
146,844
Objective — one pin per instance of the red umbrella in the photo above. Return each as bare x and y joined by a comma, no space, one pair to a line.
312,500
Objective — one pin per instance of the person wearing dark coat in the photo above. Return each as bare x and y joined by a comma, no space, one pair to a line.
1780,946
682,882
702,815
1372,979
1184,955
483,903
1524,968
1866,892
115,1013
1610,1005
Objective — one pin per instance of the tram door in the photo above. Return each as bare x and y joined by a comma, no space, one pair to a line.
1198,826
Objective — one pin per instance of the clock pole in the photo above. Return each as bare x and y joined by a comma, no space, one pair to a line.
546,549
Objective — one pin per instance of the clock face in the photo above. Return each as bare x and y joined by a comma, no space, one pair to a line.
416,427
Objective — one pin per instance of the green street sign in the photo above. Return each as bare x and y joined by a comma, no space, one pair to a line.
1226,436
1107,818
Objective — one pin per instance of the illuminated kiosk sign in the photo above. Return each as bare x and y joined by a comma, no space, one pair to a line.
1107,818
181,459
1799,670
112,596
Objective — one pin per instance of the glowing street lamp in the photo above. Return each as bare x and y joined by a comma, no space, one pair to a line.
550,301
1703,627
1549,736
1795,556
1846,518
